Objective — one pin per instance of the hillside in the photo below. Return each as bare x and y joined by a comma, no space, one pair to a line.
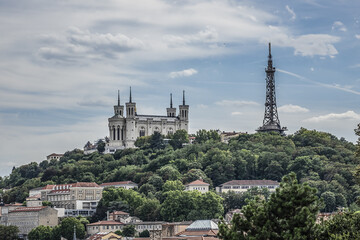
324,161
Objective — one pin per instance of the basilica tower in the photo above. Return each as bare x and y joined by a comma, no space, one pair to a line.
184,115
130,123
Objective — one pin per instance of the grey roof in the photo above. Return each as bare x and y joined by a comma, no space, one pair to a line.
202,225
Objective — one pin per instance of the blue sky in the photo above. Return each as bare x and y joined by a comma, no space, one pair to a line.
62,62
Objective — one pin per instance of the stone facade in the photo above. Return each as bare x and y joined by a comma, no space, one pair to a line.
123,131
104,226
27,218
76,198
123,184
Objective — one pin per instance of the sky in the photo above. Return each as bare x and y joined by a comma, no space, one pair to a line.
62,63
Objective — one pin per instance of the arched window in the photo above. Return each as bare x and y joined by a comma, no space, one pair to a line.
156,129
170,131
118,133
142,132
114,135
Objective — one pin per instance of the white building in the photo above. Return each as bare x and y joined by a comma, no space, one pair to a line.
244,185
198,185
123,131
104,226
123,184
55,156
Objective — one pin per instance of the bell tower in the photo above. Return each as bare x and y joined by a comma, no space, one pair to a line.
130,123
184,114
271,121
171,111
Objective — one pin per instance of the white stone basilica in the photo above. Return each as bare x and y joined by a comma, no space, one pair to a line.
125,130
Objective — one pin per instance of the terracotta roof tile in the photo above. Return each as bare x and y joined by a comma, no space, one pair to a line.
198,182
251,182
28,209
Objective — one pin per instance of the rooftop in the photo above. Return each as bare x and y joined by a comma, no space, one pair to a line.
28,209
201,225
251,182
105,223
198,182
119,213
118,183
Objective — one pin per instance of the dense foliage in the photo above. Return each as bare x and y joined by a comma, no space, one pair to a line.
290,213
9,232
161,169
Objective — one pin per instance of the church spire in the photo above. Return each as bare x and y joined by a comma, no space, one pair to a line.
118,97
184,97
171,104
130,99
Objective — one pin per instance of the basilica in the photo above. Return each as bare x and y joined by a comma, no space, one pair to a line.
125,129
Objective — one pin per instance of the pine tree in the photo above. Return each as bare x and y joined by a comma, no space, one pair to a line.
289,214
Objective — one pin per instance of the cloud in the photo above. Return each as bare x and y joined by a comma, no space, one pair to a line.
357,36
337,25
183,73
291,11
82,43
208,35
349,115
289,108
333,86
236,113
236,103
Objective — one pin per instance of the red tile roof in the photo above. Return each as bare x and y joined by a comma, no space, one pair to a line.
251,182
117,183
198,182
98,236
28,209
105,223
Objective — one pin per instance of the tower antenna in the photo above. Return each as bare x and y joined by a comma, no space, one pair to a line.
271,121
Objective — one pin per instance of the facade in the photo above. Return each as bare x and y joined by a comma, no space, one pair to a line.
198,185
198,230
124,130
124,184
27,218
55,156
34,201
243,185
123,217
35,191
79,198
4,211
227,136
104,227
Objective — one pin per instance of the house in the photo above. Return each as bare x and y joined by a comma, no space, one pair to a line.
27,218
104,236
55,156
173,228
150,226
225,137
243,185
104,227
124,184
34,201
123,217
79,198
35,191
198,185
5,209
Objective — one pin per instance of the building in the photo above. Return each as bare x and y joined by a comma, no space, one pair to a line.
123,217
55,156
198,230
4,211
27,218
104,236
104,227
227,136
198,185
244,185
35,191
124,130
34,201
124,184
174,228
79,198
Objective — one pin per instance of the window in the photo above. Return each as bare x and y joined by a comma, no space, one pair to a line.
142,132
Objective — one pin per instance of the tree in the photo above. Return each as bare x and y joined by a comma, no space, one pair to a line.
290,214
67,228
129,231
41,233
173,186
9,232
329,200
149,210
343,225
157,141
144,234
179,138
100,146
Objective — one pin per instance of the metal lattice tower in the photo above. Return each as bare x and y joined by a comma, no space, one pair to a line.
271,121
